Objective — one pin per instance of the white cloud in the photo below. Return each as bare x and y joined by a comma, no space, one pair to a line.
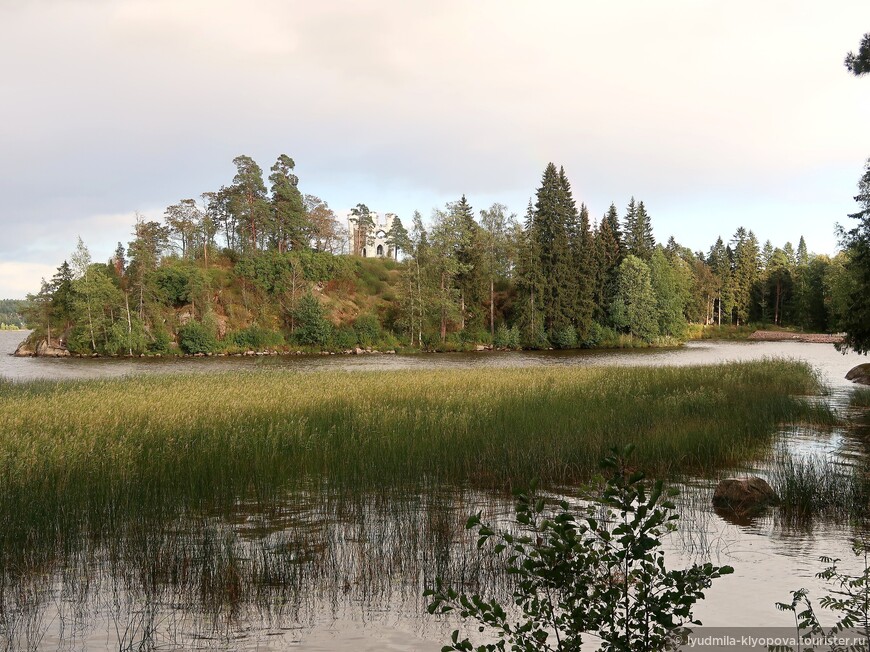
17,278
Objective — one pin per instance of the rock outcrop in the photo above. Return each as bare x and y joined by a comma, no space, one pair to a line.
860,374
44,349
24,350
744,494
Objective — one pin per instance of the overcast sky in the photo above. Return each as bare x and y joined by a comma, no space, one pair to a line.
716,114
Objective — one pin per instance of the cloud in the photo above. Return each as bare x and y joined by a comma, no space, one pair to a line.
110,107
16,278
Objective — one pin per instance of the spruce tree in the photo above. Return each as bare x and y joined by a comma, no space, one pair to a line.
470,279
552,210
607,259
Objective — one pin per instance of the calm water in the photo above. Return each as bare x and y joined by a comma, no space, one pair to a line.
329,572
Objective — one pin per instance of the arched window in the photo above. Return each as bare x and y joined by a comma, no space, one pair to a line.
364,252
381,251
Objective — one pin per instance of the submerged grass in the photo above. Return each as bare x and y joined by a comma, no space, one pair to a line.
819,486
860,397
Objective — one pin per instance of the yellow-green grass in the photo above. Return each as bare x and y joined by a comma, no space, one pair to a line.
100,458
207,433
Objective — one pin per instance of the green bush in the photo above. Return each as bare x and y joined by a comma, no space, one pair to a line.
160,341
256,338
344,338
312,327
368,329
506,338
564,338
196,337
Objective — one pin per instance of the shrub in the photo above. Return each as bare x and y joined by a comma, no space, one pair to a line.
564,338
196,337
506,338
257,338
368,329
160,341
312,327
344,338
598,572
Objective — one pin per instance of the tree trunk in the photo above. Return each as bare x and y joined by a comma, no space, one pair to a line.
443,312
129,324
491,307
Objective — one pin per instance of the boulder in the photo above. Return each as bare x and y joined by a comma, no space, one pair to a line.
743,494
859,374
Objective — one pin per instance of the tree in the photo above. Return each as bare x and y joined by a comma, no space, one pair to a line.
719,260
184,220
249,198
530,282
398,238
856,241
323,224
583,254
554,209
150,239
859,64
469,258
608,255
744,274
288,226
364,227
497,227
670,301
779,279
639,240
634,304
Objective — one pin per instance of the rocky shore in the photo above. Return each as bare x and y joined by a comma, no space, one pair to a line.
786,336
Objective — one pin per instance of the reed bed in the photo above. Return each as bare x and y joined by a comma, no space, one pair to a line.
189,487
110,448
860,397
819,486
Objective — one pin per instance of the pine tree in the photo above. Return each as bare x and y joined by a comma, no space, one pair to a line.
288,227
639,239
249,199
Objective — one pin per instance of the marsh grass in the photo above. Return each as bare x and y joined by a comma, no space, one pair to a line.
85,456
218,492
819,486
860,397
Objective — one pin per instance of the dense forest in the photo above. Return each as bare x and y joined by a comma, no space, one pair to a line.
248,267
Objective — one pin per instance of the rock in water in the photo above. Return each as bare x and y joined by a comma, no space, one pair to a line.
860,374
744,494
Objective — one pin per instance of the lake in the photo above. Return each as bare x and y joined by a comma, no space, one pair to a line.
346,572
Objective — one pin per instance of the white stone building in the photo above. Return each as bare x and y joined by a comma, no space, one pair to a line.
374,244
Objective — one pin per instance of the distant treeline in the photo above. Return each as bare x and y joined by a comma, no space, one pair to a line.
248,267
11,313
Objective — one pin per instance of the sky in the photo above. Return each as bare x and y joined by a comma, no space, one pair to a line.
716,115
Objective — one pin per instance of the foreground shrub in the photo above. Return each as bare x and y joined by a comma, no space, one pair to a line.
597,571
257,338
